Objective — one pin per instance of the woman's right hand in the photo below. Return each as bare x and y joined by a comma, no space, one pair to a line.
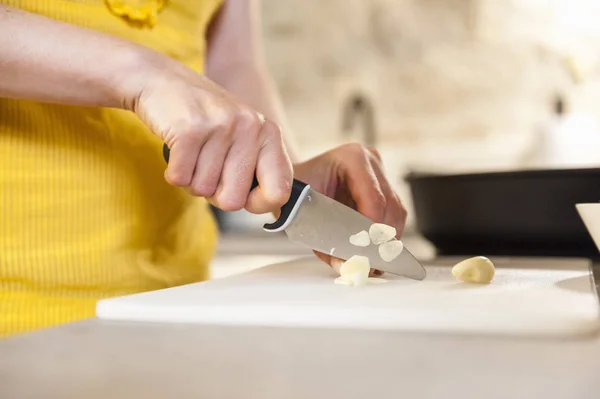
216,142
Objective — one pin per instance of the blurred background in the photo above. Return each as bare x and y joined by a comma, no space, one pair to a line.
437,85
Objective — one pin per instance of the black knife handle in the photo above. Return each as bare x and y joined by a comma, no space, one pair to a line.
287,210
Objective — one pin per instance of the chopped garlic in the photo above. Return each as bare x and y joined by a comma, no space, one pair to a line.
376,280
359,279
360,239
355,272
356,264
390,250
474,270
381,233
341,280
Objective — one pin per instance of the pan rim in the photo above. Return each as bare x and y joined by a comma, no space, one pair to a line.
513,174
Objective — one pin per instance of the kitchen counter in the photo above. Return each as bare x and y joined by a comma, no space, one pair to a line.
97,359
94,359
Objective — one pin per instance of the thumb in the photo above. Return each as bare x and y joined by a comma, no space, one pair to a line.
274,173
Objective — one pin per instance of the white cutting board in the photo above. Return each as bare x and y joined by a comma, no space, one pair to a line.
526,299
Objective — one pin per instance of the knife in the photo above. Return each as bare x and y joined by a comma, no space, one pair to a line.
325,225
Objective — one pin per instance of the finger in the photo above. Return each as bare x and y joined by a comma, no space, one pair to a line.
332,261
273,171
375,273
209,166
395,214
363,184
238,170
182,160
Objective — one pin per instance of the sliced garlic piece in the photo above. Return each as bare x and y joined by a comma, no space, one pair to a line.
381,233
359,279
354,271
390,250
376,280
360,239
342,280
355,264
478,270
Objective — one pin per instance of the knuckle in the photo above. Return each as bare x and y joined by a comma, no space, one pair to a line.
177,178
224,121
189,133
272,130
203,188
230,203
379,199
250,118
190,126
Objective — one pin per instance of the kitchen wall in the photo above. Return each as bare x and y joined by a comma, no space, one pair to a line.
435,69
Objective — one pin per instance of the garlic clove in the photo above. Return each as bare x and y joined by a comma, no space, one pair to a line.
478,270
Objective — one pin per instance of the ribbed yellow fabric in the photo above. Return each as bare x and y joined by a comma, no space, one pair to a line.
85,212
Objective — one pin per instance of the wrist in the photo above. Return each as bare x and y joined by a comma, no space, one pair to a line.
133,68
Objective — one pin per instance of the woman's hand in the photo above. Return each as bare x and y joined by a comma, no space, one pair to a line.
216,141
353,175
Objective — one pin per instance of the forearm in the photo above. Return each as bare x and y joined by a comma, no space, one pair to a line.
49,61
253,85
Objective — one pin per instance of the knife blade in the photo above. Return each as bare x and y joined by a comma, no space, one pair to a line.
325,225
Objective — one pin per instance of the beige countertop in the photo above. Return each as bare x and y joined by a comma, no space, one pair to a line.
95,359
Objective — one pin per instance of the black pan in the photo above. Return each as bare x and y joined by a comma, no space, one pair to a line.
520,213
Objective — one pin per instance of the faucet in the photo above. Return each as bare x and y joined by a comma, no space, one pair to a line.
359,105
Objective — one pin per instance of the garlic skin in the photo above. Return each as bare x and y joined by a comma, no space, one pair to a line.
381,233
390,250
478,270
360,239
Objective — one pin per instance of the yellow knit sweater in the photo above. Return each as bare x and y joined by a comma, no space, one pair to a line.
85,212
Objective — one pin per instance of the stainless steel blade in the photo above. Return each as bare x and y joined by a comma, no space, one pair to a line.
326,225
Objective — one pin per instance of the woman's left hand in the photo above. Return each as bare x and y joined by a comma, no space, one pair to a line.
353,175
